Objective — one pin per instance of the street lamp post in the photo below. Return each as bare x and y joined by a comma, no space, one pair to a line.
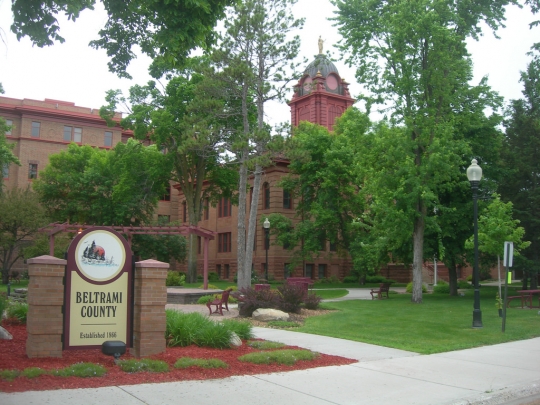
474,174
266,226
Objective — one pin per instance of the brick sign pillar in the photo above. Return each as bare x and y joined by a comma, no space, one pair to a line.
149,309
45,299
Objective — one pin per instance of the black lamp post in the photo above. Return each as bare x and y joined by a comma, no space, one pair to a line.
474,174
266,226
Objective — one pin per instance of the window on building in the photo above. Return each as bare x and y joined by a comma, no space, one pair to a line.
9,123
266,196
322,242
199,247
167,195
287,270
287,201
72,134
309,270
206,208
218,269
32,171
184,212
224,242
333,246
224,207
5,170
36,127
108,138
227,269
322,271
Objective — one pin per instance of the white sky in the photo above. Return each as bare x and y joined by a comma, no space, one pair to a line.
77,73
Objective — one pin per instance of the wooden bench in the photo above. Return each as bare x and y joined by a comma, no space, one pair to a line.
513,297
219,303
383,289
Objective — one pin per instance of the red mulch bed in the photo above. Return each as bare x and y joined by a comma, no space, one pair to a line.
13,357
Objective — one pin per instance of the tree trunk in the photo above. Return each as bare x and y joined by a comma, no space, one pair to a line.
243,277
191,276
252,227
452,277
418,258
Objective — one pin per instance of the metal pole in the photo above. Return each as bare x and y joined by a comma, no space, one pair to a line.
266,246
505,302
477,314
435,270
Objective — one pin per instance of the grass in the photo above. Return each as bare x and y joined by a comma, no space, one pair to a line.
136,366
288,357
283,324
329,294
265,344
442,323
22,284
81,370
186,362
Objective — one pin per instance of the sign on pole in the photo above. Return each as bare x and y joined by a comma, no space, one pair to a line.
508,254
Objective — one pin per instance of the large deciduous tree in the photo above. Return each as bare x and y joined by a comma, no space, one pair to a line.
21,215
412,56
164,30
255,52
190,123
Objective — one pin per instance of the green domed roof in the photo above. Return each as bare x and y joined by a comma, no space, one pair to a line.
321,64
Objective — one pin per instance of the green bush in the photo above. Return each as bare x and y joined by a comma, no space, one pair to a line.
136,366
205,298
409,288
213,276
350,279
18,311
378,279
442,287
462,284
9,375
33,372
210,287
81,370
265,344
469,278
186,362
3,304
243,329
175,279
287,356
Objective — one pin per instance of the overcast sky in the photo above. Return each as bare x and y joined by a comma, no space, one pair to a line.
75,72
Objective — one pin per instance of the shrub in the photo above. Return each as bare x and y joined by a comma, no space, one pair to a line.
409,288
205,298
214,334
469,278
9,375
462,284
312,301
442,287
213,276
210,287
243,329
175,279
291,297
186,362
136,366
81,370
3,305
378,279
17,311
33,372
287,356
350,279
254,300
265,344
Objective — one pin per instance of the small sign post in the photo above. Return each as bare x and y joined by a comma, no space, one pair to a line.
507,261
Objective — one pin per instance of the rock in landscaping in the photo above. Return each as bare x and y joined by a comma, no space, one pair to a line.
4,334
268,314
235,340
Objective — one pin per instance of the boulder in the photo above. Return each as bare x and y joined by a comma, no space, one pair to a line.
268,314
235,340
4,334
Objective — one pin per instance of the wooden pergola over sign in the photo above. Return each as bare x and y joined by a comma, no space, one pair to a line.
207,235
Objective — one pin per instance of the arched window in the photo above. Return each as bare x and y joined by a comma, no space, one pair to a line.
266,196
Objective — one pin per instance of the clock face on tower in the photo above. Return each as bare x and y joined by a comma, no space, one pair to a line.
331,82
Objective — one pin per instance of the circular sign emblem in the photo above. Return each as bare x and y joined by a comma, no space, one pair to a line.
100,255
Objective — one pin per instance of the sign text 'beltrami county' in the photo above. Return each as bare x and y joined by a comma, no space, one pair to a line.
98,289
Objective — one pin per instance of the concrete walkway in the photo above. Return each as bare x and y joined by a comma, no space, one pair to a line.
507,373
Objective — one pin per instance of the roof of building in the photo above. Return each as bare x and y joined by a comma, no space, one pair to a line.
321,64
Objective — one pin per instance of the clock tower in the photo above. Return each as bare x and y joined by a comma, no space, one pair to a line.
321,95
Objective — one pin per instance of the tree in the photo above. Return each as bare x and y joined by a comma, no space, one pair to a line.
413,57
21,215
6,154
190,124
164,30
520,183
92,186
254,54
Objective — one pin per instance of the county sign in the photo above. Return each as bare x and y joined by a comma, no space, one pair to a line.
98,290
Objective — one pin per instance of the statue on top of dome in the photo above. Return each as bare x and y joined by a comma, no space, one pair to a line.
321,43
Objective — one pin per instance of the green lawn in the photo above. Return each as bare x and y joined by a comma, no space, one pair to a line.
335,293
442,323
22,284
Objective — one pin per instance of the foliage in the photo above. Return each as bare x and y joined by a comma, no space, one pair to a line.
210,287
9,375
161,247
175,279
265,344
21,216
409,288
165,31
213,276
6,155
17,311
350,279
253,300
3,305
378,279
442,287
205,299
328,280
464,285
241,328
41,246
89,185
81,370
290,297
287,357
148,365
498,301
186,362
33,372
283,324
312,301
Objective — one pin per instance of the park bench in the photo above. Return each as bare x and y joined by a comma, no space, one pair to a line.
220,303
383,289
513,297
